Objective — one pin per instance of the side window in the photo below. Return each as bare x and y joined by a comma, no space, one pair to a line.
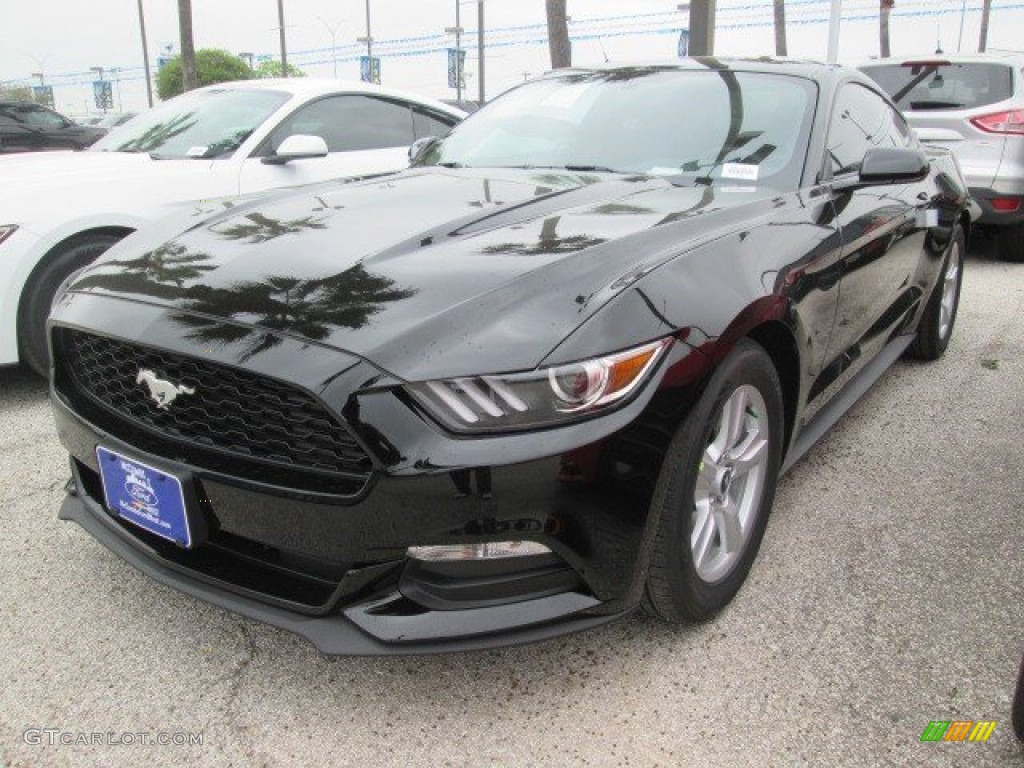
430,123
350,123
861,120
34,115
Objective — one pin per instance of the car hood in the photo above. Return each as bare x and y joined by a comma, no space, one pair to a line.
34,182
430,272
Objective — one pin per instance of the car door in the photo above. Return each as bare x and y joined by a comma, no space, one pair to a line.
364,134
52,131
20,135
882,229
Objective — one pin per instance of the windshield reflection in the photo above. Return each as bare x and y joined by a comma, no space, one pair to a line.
199,125
713,124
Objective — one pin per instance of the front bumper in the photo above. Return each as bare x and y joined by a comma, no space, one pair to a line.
352,632
333,568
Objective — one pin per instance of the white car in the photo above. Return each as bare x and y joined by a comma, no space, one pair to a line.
60,210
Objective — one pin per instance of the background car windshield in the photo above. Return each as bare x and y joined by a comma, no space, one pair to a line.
716,124
201,124
923,85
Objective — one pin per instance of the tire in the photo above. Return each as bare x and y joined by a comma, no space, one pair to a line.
699,499
1011,242
936,326
40,290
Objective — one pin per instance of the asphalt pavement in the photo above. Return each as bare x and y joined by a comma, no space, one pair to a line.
889,593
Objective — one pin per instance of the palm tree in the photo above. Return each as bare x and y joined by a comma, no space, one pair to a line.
189,78
780,27
558,35
986,9
884,8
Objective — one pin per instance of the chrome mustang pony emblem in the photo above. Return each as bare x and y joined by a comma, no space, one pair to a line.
161,390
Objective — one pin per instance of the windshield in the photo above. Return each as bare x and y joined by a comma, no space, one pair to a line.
705,124
200,124
924,85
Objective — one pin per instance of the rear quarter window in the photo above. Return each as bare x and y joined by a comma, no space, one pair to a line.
922,86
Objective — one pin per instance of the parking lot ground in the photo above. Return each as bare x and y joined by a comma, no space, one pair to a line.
889,593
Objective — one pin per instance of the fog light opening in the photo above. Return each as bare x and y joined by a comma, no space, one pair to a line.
491,550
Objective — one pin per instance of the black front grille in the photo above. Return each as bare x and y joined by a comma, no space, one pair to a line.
270,429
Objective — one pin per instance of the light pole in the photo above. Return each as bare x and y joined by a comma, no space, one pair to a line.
145,55
369,36
333,31
960,39
284,49
480,46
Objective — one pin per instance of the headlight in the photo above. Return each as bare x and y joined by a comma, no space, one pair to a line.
544,397
6,231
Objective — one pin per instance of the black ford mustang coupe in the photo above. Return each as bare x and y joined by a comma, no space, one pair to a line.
547,375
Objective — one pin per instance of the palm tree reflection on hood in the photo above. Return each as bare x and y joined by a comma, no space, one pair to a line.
548,242
161,272
261,228
306,308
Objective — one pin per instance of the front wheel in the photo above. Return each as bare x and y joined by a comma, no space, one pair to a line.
716,488
936,326
41,288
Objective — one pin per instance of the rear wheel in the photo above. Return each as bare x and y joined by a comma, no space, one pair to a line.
39,292
715,489
936,326
1011,242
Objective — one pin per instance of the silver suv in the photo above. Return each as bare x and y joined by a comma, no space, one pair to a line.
974,105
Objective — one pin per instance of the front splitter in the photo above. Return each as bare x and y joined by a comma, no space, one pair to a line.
352,632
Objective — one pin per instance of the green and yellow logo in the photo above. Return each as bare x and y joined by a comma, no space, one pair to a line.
958,730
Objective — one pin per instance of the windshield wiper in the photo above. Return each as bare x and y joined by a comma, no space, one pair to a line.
936,105
591,168
451,165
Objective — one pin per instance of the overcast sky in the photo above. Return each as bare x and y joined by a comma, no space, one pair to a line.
64,38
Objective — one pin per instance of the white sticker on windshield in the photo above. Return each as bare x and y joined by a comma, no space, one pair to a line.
196,151
566,96
739,171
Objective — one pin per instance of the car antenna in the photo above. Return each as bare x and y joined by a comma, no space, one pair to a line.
938,38
603,51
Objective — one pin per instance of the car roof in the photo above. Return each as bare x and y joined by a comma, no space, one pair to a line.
308,87
813,70
989,57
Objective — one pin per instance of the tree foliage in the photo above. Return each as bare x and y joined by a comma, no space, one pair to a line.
272,68
212,65
15,93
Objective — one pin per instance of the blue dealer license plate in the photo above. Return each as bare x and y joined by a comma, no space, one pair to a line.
144,496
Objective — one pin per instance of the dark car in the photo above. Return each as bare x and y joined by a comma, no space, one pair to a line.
547,375
27,127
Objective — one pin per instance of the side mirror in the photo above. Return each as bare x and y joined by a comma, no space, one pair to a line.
297,147
420,146
890,165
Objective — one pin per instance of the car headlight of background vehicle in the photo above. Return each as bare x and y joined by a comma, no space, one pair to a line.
6,230
545,397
